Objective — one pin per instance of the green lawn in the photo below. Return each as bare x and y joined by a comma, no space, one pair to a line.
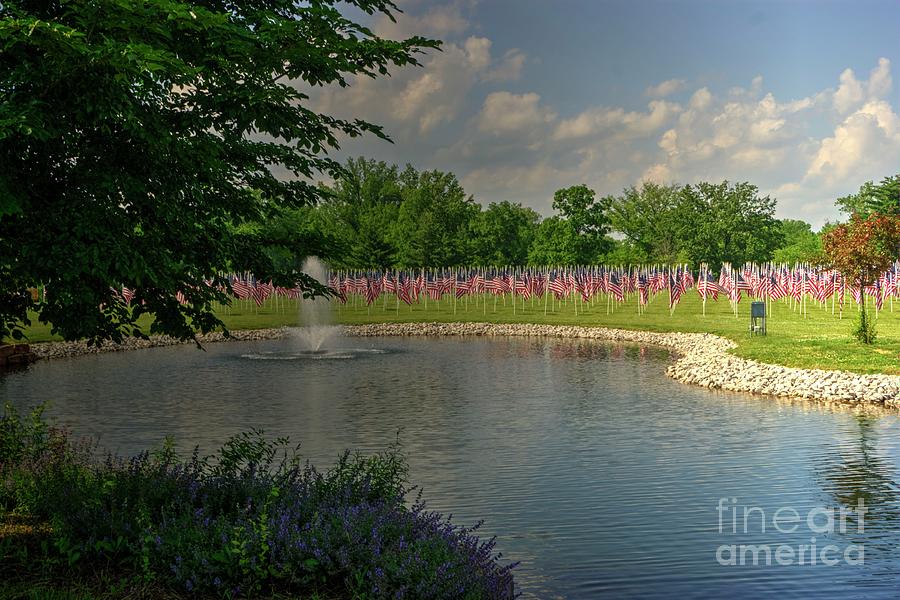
818,340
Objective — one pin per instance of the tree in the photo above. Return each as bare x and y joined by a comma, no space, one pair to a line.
588,218
800,243
139,138
652,219
626,252
361,209
729,223
432,228
882,198
502,234
862,250
555,243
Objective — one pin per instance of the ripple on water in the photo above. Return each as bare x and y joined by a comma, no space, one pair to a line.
594,470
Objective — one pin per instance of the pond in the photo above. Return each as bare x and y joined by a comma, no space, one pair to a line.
602,476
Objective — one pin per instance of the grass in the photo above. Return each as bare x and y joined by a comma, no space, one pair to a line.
816,339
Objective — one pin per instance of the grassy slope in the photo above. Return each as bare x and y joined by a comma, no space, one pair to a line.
819,340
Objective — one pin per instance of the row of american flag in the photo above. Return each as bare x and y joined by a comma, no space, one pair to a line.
617,284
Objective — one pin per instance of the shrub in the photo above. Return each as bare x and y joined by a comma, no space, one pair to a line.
253,519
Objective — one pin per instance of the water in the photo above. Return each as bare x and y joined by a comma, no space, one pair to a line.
595,471
317,331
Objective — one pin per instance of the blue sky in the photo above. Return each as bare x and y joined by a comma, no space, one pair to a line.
529,96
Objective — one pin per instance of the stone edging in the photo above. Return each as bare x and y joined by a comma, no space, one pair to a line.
73,349
700,359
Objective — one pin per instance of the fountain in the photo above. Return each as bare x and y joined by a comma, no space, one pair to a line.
316,337
317,332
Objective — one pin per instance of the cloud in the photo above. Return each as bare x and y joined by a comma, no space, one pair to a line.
867,136
511,141
880,81
509,68
504,112
852,93
666,88
417,101
849,93
617,121
441,21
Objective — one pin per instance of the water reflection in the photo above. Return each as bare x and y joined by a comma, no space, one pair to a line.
595,470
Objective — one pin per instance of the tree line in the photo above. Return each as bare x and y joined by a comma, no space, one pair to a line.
378,215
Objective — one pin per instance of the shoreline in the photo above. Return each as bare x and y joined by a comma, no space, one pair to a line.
701,359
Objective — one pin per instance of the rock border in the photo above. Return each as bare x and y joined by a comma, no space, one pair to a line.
54,350
699,358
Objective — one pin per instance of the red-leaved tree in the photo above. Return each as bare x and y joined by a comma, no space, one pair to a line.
862,250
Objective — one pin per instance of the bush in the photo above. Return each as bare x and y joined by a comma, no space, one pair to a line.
254,519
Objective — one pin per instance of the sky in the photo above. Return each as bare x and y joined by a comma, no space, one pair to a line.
529,96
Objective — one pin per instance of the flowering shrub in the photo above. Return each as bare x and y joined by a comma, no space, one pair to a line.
252,520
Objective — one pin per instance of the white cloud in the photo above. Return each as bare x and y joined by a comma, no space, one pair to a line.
617,122
864,138
880,81
478,52
509,68
849,93
700,99
666,88
503,112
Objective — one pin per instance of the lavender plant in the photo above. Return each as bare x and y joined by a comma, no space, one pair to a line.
253,519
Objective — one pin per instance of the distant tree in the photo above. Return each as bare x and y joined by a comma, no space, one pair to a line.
433,223
555,243
861,250
652,218
800,243
361,210
626,252
502,234
589,219
138,139
882,198
729,223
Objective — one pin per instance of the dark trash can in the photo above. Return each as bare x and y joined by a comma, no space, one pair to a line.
758,318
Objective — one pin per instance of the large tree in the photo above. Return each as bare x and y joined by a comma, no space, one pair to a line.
729,223
555,243
137,139
653,218
588,217
502,234
360,211
433,224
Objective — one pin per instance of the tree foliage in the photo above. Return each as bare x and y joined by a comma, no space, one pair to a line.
861,250
588,217
555,243
433,220
705,222
864,247
882,198
652,219
138,138
801,243
503,233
